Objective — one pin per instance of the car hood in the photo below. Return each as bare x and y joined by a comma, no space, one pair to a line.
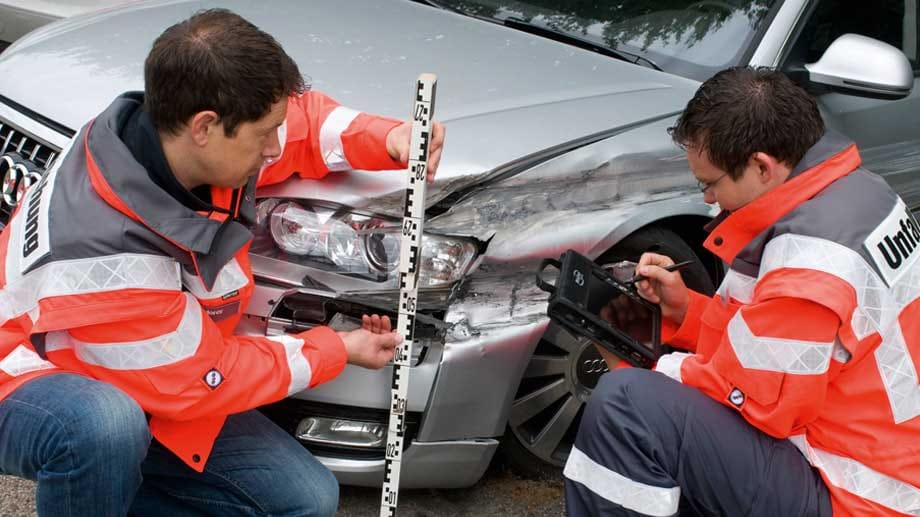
502,94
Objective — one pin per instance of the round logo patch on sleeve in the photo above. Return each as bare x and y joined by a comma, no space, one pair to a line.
736,397
213,378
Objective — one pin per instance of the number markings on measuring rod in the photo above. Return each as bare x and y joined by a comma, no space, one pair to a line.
410,256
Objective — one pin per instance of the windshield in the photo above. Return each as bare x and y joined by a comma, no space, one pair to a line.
693,39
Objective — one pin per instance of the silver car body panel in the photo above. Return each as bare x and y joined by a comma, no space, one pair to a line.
17,17
33,128
894,153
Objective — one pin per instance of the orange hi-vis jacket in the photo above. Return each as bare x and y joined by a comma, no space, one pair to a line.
814,334
107,275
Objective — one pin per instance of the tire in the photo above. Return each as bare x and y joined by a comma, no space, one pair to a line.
563,370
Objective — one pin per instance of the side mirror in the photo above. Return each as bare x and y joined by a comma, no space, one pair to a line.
863,66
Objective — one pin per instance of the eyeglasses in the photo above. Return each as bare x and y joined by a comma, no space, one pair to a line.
706,185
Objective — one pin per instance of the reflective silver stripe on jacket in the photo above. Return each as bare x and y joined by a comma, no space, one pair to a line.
330,138
301,372
85,276
777,354
22,360
616,488
878,308
858,479
230,278
738,286
143,354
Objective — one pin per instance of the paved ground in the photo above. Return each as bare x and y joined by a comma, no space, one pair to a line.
501,493
17,497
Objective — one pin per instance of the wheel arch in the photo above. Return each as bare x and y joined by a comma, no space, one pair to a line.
691,229
686,219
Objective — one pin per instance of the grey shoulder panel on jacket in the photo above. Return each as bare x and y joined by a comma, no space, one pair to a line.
846,212
861,212
78,223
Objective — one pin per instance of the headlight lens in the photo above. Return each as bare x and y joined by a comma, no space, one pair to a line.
295,230
336,239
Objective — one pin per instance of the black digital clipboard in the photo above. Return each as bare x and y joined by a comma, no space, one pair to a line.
583,289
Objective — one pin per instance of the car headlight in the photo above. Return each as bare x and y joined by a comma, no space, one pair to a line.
365,245
295,230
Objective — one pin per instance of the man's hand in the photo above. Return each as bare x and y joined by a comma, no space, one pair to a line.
371,346
398,145
665,288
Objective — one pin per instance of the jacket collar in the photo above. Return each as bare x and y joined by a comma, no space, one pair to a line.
831,158
124,184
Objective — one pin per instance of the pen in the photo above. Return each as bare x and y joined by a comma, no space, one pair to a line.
672,267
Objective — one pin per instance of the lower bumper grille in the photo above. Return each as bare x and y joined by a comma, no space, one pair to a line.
289,412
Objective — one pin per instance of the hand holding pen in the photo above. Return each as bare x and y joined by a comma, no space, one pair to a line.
673,267
658,280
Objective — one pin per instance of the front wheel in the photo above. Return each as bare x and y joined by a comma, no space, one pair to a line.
564,369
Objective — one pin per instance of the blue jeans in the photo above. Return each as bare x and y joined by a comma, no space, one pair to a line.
87,445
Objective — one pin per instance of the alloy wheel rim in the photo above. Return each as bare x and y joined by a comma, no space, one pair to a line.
556,384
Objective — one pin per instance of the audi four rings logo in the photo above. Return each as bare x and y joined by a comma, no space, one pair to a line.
18,175
594,366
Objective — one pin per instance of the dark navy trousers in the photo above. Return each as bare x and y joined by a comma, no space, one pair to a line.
649,445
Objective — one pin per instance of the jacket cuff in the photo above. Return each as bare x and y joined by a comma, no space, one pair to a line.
670,365
686,334
332,354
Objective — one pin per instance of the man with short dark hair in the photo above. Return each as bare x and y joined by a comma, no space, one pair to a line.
118,318
806,398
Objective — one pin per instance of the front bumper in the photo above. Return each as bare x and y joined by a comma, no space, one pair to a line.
453,464
461,386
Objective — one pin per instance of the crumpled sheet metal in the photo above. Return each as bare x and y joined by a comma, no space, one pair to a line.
556,206
574,201
497,295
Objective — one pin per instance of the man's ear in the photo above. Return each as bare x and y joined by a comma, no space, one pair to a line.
203,125
769,169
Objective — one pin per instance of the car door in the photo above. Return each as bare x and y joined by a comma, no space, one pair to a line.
887,132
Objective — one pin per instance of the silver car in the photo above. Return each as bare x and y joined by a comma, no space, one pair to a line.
556,114
17,17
